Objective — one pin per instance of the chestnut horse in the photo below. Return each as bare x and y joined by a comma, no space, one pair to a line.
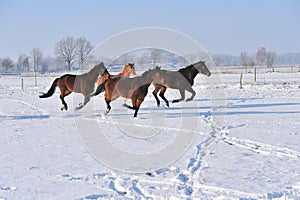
183,79
133,88
128,69
84,84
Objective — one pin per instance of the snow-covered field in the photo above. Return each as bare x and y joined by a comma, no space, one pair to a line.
250,151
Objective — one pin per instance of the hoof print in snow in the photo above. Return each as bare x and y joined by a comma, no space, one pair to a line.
149,174
183,178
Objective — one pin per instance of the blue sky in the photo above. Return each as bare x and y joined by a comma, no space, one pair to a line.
219,26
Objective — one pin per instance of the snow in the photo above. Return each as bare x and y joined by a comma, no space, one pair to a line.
244,143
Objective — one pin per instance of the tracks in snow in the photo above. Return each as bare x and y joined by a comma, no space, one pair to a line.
221,135
262,148
187,178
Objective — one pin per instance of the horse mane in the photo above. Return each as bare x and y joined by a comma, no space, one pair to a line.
187,68
94,72
96,68
190,66
150,70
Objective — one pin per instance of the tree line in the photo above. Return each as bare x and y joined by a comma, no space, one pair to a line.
71,53
68,52
261,57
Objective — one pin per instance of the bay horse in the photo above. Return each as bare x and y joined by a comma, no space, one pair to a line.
135,89
183,79
83,84
128,69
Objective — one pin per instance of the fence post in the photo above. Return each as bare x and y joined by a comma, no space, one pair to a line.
254,74
22,83
241,82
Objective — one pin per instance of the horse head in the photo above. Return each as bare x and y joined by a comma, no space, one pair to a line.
99,69
129,69
202,68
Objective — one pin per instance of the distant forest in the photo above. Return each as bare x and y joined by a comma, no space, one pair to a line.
232,60
72,54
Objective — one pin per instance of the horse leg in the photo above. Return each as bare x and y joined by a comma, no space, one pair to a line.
63,93
137,106
155,91
133,100
136,111
182,96
108,107
162,95
86,100
193,94
128,106
64,104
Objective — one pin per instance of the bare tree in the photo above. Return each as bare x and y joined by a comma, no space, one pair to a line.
84,49
23,62
36,55
140,60
7,63
244,58
217,59
155,55
261,56
65,51
270,59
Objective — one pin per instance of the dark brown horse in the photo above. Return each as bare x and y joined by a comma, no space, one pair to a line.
183,79
133,88
83,84
128,69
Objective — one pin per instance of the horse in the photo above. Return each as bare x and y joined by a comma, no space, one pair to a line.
135,89
128,69
183,79
83,84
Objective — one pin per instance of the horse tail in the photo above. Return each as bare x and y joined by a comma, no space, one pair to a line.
100,88
51,90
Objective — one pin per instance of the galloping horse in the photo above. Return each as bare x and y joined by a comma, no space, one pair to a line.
84,84
183,79
128,69
133,88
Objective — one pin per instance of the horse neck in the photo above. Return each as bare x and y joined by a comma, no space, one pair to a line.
125,73
93,75
189,72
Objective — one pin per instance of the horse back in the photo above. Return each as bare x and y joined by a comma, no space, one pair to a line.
174,79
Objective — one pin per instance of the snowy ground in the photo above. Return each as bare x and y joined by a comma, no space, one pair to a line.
250,152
